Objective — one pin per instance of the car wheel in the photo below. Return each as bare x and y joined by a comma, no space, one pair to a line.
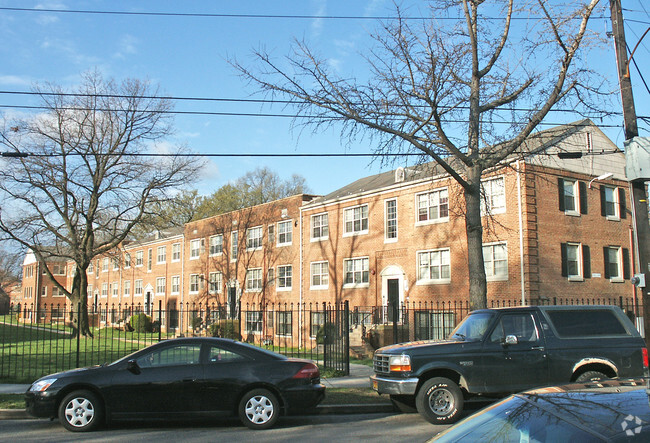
259,409
81,411
404,403
591,376
439,400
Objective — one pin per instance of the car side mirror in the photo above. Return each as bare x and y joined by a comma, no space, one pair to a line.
132,366
510,340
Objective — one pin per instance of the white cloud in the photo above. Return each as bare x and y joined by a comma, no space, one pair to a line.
14,80
127,46
317,24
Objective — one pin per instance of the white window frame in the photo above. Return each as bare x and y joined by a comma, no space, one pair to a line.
161,255
176,284
195,249
573,184
139,259
443,262
176,252
619,263
287,317
438,194
360,266
254,321
489,261
138,288
316,269
116,264
254,280
493,197
234,245
115,289
216,247
194,284
616,216
215,281
356,215
254,238
388,219
161,285
127,260
577,249
105,264
104,293
285,278
126,288
285,238
323,228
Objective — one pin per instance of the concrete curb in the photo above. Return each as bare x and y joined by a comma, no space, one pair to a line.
14,414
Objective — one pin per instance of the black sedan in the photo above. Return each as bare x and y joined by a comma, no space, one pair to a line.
184,377
608,410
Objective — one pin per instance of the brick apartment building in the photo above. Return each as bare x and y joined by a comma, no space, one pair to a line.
557,223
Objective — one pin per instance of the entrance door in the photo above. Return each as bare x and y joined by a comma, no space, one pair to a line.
232,301
147,302
393,299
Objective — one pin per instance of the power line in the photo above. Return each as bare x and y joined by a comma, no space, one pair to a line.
253,16
232,100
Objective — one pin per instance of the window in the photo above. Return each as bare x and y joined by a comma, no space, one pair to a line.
116,264
139,258
254,280
176,252
576,261
195,248
284,277
391,220
254,238
178,355
105,264
317,321
44,291
433,266
434,325
149,259
127,288
161,282
104,290
215,282
194,283
91,269
356,220
253,322
319,275
57,269
271,234
137,290
433,206
356,272
270,277
319,227
493,196
285,234
586,322
521,326
612,203
216,244
127,260
617,263
218,355
176,284
572,196
495,258
234,245
115,288
283,324
57,292
161,255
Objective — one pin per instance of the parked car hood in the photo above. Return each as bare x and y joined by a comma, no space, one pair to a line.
415,347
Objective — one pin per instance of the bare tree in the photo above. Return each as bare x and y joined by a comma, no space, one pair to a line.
464,93
78,185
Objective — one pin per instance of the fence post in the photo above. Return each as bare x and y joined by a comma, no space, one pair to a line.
160,320
78,332
346,344
324,334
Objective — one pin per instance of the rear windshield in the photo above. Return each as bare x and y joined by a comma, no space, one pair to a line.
586,322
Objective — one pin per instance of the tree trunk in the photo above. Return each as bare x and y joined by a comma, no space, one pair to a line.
474,230
79,300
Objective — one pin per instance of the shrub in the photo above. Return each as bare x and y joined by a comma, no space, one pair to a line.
196,322
225,329
141,323
327,334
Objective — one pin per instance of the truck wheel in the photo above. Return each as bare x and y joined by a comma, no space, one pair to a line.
404,403
591,376
439,400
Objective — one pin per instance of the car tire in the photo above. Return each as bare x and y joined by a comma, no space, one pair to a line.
259,409
81,411
591,376
404,403
439,401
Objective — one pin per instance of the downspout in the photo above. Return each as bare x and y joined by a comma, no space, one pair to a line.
521,236
634,262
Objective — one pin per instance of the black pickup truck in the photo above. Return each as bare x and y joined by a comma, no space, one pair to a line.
494,352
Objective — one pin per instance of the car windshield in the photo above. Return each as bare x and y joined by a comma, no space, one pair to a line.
473,327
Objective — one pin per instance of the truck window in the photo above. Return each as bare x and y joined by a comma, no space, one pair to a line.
585,322
473,327
521,326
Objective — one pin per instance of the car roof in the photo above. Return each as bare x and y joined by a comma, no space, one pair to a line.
546,308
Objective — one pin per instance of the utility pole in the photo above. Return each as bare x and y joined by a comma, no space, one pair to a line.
639,195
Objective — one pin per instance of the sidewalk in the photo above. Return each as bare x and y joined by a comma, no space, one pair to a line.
358,378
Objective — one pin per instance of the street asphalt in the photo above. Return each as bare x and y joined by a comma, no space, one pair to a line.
358,378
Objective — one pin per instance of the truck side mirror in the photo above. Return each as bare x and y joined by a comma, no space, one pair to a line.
510,340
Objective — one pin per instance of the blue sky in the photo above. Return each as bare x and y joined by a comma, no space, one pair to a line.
187,57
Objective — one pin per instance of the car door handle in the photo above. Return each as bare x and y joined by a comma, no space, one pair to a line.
537,348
